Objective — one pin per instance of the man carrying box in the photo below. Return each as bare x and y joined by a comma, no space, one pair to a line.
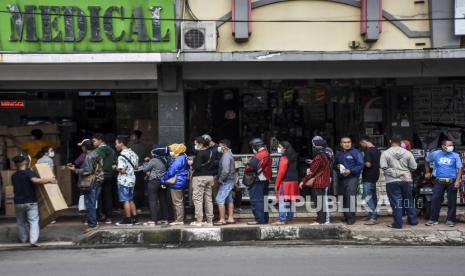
26,204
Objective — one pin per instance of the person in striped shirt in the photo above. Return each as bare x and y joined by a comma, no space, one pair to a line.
320,170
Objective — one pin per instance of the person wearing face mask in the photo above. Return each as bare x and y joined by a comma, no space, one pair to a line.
447,173
226,178
203,179
45,156
320,171
178,168
261,163
397,164
286,185
157,193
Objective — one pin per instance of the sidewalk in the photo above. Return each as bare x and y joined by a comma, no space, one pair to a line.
67,233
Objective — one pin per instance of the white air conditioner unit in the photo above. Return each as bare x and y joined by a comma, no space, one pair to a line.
198,36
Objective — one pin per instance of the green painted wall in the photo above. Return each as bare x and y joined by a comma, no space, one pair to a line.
86,44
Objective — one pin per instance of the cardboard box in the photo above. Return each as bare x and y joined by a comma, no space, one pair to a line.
51,200
26,130
9,202
54,138
6,178
4,131
12,152
65,182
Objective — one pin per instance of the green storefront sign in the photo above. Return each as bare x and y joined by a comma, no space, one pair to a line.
87,26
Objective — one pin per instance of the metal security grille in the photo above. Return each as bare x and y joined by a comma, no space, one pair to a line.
194,38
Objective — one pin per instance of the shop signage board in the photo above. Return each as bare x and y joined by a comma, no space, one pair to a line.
87,26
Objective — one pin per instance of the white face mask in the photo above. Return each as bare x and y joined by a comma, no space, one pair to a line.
220,150
254,151
197,147
51,154
172,154
280,150
450,148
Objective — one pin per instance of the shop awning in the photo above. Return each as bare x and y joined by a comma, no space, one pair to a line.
77,71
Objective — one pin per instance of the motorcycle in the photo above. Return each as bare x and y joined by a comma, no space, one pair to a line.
423,188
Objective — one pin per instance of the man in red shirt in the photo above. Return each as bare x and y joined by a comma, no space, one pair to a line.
258,191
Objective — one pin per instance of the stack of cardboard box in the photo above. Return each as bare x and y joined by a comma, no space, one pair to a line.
15,136
8,193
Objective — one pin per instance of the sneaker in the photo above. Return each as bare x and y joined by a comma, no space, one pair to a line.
135,221
431,223
450,223
163,222
252,223
238,210
315,223
177,223
327,223
196,224
108,221
125,222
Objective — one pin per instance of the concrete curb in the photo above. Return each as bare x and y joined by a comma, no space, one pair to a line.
179,236
240,235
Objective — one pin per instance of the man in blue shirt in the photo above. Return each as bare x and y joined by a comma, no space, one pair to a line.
448,173
349,164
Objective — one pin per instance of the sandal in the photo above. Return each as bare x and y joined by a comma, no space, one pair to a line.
279,223
231,222
219,223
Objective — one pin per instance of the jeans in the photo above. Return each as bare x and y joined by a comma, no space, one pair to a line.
370,197
401,197
320,198
224,194
258,191
286,208
349,200
438,198
91,200
158,201
28,213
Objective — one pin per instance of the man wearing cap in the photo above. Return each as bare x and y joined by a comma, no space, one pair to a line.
92,168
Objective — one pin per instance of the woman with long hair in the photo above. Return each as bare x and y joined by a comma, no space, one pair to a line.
287,185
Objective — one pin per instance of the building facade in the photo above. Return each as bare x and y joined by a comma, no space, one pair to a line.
238,68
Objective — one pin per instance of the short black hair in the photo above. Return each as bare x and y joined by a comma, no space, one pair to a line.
122,139
19,159
226,142
88,145
345,136
396,139
37,133
366,138
99,136
443,142
201,141
138,133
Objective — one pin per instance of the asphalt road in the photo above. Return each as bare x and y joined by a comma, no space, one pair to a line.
283,260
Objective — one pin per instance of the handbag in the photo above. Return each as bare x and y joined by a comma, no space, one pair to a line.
249,177
310,182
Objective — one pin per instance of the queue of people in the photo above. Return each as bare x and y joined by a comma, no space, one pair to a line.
212,175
